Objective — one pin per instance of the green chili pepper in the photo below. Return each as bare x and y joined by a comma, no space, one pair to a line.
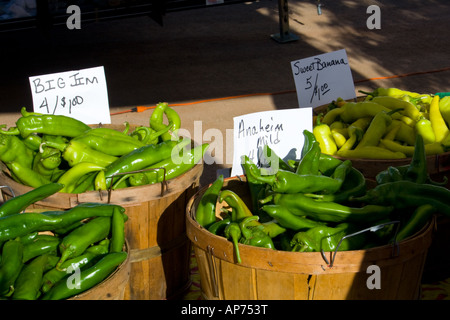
288,220
47,162
87,182
218,226
76,152
327,164
233,231
354,185
327,211
324,238
57,125
88,278
27,176
28,284
117,231
309,163
271,159
156,121
54,275
391,92
308,141
109,141
19,225
20,202
77,241
147,135
404,194
418,219
271,228
43,244
99,182
254,236
71,177
174,166
13,150
143,157
239,208
10,266
389,175
290,182
33,141
417,170
205,213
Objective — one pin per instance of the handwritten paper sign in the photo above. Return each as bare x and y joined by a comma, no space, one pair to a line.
323,78
281,130
80,94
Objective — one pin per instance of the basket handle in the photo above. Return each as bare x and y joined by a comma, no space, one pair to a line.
371,229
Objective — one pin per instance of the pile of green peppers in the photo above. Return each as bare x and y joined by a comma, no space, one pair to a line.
321,203
54,255
44,149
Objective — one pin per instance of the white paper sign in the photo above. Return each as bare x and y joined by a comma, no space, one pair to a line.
80,94
281,130
323,78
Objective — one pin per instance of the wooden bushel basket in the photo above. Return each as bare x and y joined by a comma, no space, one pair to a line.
155,230
266,274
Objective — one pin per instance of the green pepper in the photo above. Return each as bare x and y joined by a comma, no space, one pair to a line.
147,135
239,209
327,211
77,241
54,275
19,203
13,150
10,266
256,188
417,170
404,194
353,185
43,244
254,235
27,176
390,92
156,121
308,141
309,163
117,231
291,182
219,226
28,284
171,167
324,238
19,225
47,162
109,141
418,219
71,177
205,213
88,278
288,220
233,231
143,157
389,175
327,164
57,125
271,159
76,152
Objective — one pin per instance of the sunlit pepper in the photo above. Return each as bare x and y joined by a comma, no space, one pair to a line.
322,133
437,121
